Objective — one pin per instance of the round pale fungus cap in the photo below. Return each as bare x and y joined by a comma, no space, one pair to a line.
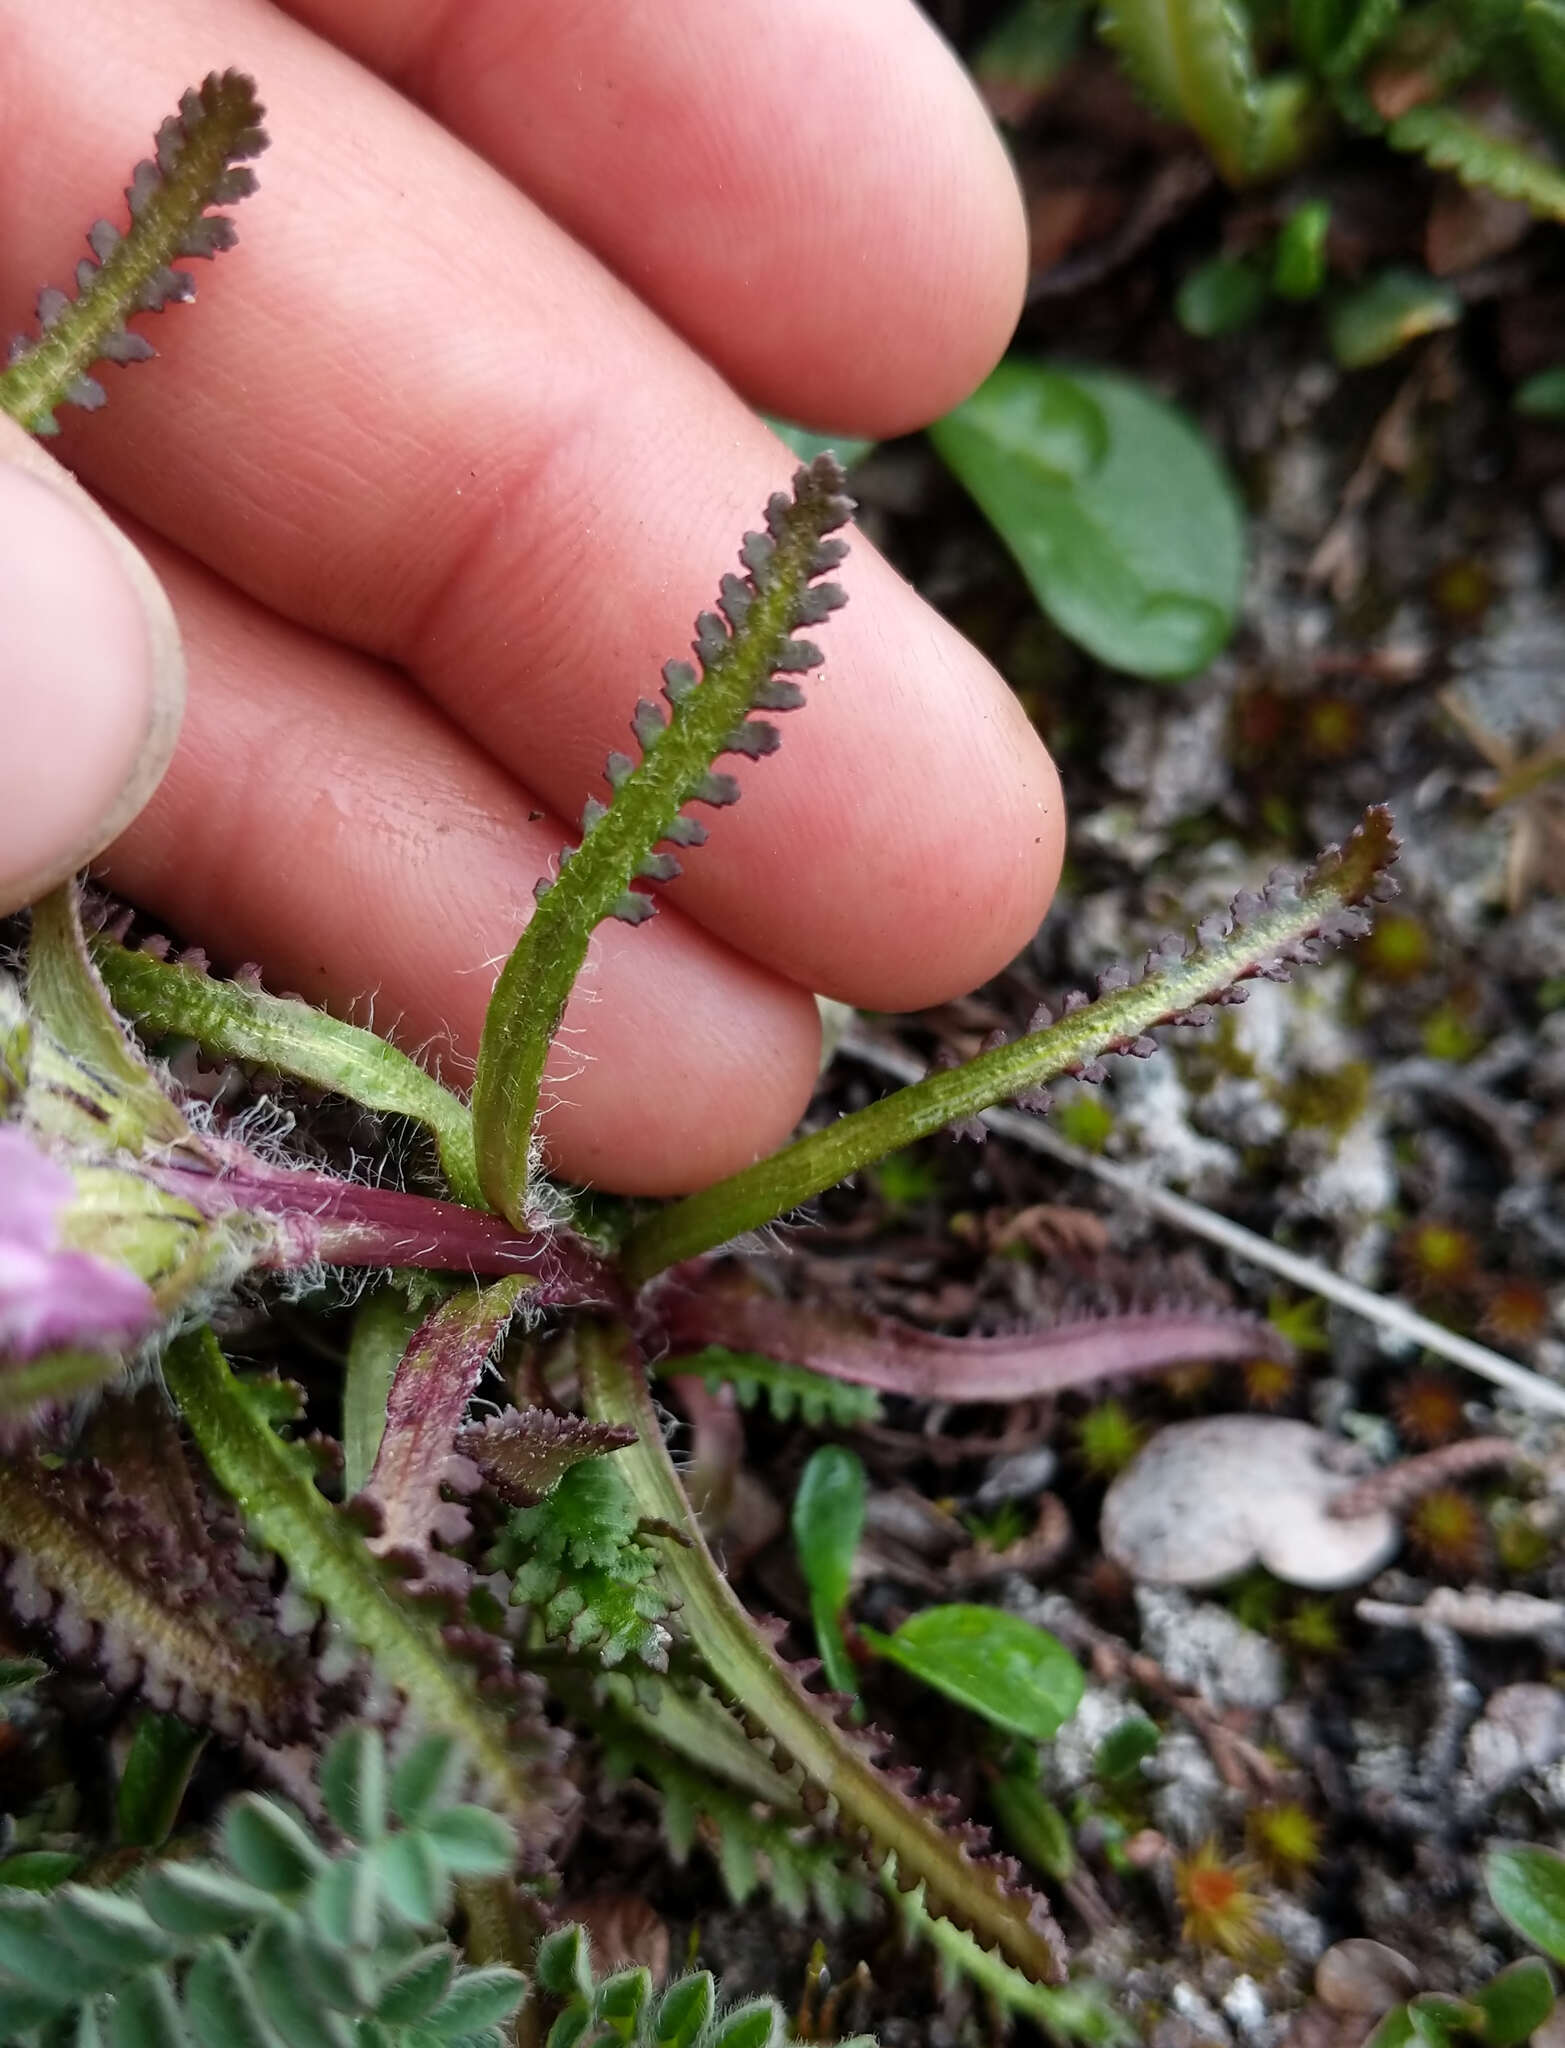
1206,1500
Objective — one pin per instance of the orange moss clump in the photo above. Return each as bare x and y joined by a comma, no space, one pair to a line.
1222,1908
1516,1312
1437,1257
1427,1409
1448,1530
1268,1382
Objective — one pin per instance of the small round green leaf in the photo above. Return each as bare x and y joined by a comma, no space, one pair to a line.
198,1898
1527,1886
266,1845
1013,1673
1119,1756
563,1964
828,1519
1123,520
1220,297
620,1998
1542,397
1299,263
1516,2002
283,1991
1371,324
353,1784
145,2014
344,1902
412,1879
37,1870
418,1987
422,1780
478,1999
1394,2031
471,1841
684,2011
759,2024
107,1928
220,2005
162,1755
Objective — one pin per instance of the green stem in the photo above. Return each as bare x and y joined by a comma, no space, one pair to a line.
273,1487
1281,931
975,1895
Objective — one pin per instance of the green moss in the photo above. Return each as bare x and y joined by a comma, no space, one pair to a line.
1333,1101
1086,1120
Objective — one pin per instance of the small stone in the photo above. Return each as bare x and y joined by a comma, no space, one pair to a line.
1021,1476
1204,1649
1244,2006
1522,1730
1363,1976
1206,1500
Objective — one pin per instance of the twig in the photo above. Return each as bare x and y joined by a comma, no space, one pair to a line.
1474,1611
1394,1487
1530,1388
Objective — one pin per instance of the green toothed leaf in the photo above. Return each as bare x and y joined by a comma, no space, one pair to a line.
1263,935
748,655
197,165
1449,141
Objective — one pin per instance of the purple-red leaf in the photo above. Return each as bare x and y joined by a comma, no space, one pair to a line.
696,1309
424,1411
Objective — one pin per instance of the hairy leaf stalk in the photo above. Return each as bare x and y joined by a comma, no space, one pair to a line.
230,1020
1269,932
977,1895
741,672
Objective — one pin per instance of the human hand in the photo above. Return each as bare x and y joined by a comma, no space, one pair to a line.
437,476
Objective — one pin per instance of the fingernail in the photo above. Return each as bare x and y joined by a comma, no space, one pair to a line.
92,686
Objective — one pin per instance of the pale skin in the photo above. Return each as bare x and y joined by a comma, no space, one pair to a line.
436,475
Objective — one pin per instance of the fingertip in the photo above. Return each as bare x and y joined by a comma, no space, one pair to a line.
651,1111
94,682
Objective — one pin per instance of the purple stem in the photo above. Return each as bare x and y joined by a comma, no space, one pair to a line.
900,1359
343,1223
425,1408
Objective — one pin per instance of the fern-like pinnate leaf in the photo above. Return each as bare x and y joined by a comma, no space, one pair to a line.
198,162
748,656
279,1941
980,1892
625,2007
755,1849
1192,61
1264,934
1449,141
579,1560
238,1020
787,1389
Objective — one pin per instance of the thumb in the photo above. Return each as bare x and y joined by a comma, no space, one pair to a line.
92,681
